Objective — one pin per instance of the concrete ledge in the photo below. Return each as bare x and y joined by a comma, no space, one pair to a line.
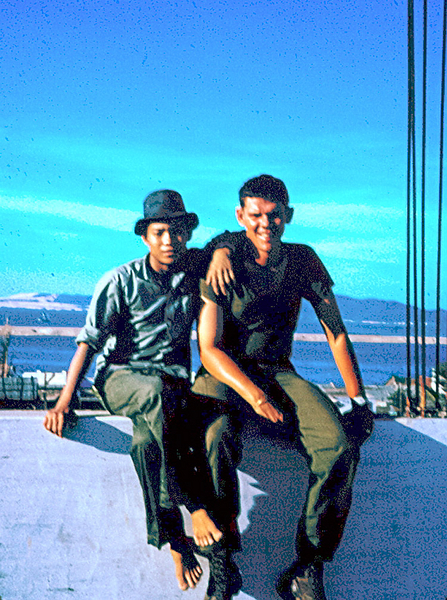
72,519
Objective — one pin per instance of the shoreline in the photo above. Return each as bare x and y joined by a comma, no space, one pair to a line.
31,331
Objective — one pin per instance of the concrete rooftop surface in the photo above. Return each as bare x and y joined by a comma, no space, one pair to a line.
72,523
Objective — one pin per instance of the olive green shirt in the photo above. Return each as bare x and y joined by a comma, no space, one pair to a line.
261,307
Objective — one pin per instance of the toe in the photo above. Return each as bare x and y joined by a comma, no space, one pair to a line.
217,535
183,584
193,577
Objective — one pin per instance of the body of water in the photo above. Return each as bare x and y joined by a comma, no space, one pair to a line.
312,360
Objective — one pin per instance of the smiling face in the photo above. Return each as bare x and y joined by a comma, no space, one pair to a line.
166,242
264,223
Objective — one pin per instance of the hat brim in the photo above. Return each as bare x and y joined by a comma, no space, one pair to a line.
191,221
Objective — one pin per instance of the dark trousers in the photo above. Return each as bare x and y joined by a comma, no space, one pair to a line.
183,450
330,446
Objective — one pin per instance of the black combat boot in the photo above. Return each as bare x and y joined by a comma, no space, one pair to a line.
302,582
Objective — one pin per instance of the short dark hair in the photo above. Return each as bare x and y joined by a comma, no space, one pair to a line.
267,187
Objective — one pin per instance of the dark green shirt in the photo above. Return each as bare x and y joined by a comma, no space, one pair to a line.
261,308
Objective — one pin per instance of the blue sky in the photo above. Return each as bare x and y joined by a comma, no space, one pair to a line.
106,101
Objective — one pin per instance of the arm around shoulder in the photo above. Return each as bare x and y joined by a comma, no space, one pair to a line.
220,271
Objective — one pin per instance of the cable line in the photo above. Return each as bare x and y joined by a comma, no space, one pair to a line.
410,147
441,168
423,173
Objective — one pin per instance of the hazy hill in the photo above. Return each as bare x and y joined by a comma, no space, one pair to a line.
361,316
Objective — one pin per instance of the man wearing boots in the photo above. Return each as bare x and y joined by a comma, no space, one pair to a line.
245,339
183,447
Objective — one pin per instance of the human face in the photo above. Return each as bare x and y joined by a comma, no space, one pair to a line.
166,242
264,223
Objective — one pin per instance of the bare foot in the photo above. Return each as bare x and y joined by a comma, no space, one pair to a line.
205,531
187,574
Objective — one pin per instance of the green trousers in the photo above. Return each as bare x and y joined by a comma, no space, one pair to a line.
183,450
330,446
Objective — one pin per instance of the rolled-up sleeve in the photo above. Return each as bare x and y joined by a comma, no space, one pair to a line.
103,312
207,293
318,282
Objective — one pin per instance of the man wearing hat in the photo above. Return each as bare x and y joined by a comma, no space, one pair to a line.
139,322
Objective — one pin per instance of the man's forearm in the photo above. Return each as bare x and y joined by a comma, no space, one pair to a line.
347,364
340,344
54,418
223,368
78,367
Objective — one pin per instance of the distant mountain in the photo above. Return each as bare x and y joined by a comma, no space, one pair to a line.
372,316
46,302
52,310
386,311
360,315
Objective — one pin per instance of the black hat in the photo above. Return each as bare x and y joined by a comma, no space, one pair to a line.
165,206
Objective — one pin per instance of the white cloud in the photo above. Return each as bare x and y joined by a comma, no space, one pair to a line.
356,217
381,250
65,236
135,163
116,219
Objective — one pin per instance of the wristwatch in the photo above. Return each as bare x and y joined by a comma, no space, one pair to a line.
359,399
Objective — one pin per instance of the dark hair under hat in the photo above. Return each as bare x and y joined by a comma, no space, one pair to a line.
164,206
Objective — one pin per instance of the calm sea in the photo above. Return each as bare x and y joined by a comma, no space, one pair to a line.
312,360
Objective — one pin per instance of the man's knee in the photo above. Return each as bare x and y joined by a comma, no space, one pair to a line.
146,397
319,420
145,449
331,449
221,437
129,393
142,434
216,432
